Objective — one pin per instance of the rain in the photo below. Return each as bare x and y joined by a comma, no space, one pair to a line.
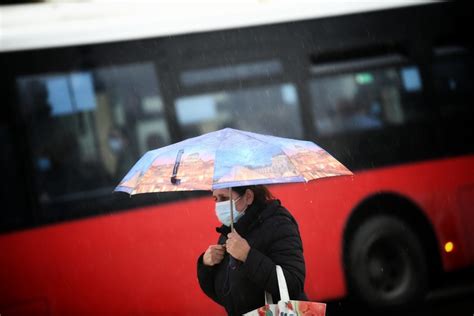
108,169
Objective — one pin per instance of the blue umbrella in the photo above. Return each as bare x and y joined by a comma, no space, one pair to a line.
229,158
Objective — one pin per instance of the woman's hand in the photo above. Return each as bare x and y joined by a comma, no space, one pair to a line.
237,247
213,255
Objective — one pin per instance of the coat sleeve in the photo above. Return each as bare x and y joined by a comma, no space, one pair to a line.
285,250
206,278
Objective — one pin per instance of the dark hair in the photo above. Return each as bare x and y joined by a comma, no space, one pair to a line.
261,193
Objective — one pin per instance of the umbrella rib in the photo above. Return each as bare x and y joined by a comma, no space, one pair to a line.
289,158
296,168
240,132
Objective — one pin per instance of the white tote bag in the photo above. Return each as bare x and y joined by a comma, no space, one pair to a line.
286,306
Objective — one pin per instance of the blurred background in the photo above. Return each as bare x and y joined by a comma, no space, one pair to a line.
90,86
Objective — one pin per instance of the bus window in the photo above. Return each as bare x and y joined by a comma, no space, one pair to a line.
453,80
363,99
269,109
88,128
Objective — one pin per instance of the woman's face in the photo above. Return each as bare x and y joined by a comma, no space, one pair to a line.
241,202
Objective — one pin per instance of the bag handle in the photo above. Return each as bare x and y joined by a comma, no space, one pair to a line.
268,298
284,295
282,287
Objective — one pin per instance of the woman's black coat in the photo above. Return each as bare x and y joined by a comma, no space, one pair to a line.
274,238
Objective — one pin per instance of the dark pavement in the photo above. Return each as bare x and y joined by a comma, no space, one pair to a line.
452,297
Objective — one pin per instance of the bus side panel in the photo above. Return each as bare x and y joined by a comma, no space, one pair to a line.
466,202
433,186
439,188
321,225
137,261
145,260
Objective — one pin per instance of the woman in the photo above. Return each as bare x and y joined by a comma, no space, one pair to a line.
265,235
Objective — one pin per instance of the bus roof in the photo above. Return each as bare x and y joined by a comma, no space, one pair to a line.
59,23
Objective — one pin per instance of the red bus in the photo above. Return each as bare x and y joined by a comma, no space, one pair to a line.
385,88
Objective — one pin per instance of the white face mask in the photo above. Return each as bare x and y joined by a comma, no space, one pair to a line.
223,211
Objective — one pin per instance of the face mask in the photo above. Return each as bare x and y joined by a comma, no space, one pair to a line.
223,212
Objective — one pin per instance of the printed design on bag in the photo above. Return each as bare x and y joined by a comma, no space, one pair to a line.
265,311
300,308
310,308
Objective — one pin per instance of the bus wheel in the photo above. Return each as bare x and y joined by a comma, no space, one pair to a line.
386,264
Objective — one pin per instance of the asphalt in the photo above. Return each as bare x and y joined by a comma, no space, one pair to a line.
453,296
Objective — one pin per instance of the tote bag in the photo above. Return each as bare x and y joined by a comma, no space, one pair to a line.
286,306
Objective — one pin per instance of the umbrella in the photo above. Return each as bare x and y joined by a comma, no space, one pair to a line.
229,158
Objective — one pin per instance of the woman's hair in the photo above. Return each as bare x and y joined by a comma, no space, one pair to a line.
260,192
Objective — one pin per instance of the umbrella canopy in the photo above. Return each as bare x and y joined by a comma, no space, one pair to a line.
229,158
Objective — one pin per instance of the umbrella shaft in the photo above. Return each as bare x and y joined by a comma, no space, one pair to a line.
231,211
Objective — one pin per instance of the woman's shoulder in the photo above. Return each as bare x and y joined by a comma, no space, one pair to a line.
276,214
278,224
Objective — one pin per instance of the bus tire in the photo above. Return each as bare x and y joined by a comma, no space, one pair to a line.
386,263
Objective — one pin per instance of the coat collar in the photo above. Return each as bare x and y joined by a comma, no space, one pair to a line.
254,215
